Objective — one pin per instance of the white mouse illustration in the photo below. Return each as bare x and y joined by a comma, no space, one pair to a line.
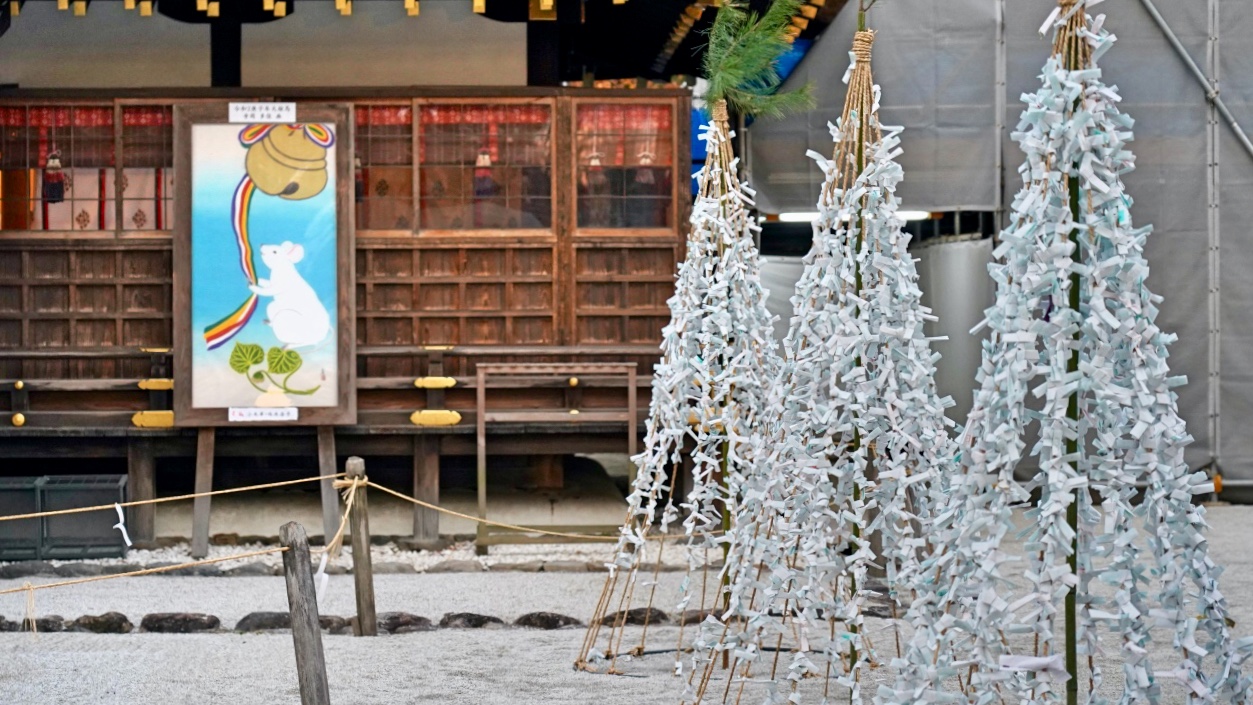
296,315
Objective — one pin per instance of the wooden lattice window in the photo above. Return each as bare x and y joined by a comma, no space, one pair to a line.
147,167
56,168
383,180
625,158
486,166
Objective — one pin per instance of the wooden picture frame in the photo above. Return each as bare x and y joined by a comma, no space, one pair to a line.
344,411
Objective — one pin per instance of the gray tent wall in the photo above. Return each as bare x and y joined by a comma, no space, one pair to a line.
938,63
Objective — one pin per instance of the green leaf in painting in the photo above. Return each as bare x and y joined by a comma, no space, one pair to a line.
283,362
245,355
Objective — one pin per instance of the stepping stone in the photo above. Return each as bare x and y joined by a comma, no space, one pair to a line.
335,625
178,623
393,568
51,623
546,620
524,567
261,621
457,566
254,569
79,570
695,616
210,570
26,569
403,623
637,617
469,620
565,567
107,623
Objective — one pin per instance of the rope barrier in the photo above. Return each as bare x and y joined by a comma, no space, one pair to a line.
139,502
350,487
501,525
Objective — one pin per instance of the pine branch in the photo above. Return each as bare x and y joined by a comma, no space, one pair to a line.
741,60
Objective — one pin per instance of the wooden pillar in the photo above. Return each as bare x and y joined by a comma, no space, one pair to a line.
225,52
547,472
426,486
328,466
204,483
141,484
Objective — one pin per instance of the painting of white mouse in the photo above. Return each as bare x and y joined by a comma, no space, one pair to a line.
295,314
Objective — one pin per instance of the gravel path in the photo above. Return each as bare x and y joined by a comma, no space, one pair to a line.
451,666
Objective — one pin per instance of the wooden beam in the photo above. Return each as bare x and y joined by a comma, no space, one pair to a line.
204,483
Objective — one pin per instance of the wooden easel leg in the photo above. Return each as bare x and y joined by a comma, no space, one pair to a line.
204,483
141,484
426,486
328,466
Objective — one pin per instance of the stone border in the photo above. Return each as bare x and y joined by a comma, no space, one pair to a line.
28,569
266,622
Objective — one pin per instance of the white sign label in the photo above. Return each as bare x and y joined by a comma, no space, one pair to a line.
263,112
245,414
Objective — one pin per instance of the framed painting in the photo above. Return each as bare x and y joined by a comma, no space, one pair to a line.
263,267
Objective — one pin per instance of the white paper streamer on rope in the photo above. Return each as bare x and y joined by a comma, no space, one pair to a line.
321,577
121,523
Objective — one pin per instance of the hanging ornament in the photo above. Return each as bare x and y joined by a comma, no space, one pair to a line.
53,179
485,185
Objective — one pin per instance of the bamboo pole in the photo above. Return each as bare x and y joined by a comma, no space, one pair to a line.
1076,55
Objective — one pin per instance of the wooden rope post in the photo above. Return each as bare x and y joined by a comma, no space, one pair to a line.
303,602
362,570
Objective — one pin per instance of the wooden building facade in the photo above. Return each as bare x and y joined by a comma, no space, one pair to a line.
514,253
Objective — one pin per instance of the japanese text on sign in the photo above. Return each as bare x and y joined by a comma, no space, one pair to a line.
245,414
263,112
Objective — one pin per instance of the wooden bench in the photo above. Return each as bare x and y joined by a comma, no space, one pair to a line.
576,376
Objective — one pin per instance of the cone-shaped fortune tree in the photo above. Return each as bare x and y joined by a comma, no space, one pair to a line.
719,356
856,443
1073,324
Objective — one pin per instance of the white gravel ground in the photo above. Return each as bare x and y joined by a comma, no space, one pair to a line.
446,666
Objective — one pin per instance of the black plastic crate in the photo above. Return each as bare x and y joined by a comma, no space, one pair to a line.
19,539
84,535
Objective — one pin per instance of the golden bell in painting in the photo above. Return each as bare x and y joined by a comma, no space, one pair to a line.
287,160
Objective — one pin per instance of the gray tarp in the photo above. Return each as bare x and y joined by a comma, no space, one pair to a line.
937,64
